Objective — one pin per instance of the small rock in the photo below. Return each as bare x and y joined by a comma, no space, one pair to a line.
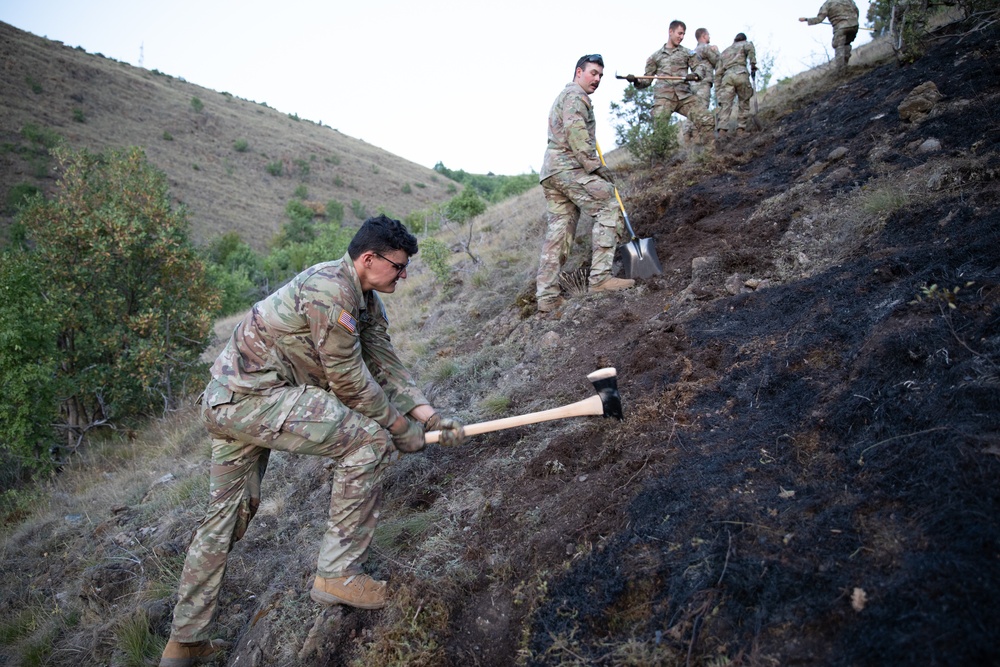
915,107
930,146
702,268
752,283
836,154
550,340
74,518
581,478
839,175
734,284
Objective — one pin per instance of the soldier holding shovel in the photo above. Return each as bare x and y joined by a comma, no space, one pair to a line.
574,179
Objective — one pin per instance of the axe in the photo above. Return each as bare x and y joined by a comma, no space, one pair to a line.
607,402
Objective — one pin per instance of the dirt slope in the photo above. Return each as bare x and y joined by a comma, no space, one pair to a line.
807,470
96,103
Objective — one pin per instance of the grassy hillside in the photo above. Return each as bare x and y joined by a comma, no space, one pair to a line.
222,154
806,474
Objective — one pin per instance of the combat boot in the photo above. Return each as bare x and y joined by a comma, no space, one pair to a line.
357,590
548,305
177,654
612,285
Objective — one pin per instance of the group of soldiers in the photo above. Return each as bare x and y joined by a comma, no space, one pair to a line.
574,177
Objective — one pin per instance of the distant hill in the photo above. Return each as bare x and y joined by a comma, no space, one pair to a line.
221,153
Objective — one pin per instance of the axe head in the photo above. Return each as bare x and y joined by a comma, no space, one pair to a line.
605,381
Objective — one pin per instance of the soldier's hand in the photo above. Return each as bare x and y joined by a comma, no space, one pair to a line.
692,77
631,78
606,174
452,431
410,440
753,71
803,19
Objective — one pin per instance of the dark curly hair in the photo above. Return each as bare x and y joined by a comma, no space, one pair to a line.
383,235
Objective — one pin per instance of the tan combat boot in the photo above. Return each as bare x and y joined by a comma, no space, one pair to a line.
177,654
548,305
357,590
612,285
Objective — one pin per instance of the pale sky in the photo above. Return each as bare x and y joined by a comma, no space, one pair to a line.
464,83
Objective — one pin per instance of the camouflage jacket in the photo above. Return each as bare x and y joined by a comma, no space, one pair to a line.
572,134
669,61
707,60
320,329
842,14
736,56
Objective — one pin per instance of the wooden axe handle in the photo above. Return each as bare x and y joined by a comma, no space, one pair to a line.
588,406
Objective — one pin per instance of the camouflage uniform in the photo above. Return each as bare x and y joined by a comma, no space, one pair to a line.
309,370
707,58
734,83
570,185
676,96
843,14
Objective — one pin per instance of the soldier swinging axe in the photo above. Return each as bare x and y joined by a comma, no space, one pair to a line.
607,402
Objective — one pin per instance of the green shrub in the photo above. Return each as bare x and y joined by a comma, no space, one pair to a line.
167,136
36,87
358,209
240,145
335,211
274,168
197,105
338,181
435,254
332,159
42,138
465,206
301,191
642,135
303,166
78,115
20,195
406,189
124,289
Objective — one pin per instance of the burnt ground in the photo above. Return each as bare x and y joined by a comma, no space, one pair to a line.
806,475
808,471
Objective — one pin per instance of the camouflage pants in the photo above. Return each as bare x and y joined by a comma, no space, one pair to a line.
691,107
842,38
703,91
244,429
734,94
566,194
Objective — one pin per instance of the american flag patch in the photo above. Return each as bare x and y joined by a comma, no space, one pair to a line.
346,320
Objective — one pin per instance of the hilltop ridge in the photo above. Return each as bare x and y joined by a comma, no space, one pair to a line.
232,162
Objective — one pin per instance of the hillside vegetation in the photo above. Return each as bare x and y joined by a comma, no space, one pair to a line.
233,163
806,473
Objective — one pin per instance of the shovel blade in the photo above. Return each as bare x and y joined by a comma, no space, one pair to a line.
639,259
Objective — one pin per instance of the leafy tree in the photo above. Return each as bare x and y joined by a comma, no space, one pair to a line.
28,368
464,206
122,286
491,187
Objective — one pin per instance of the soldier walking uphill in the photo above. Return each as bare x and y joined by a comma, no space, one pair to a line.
676,96
707,58
735,88
309,370
573,179
843,14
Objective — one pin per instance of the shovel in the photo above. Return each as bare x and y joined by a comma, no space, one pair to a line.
753,93
638,255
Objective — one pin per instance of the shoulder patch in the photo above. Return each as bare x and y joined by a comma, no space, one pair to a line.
346,320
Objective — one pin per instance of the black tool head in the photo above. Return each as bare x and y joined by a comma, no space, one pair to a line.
605,381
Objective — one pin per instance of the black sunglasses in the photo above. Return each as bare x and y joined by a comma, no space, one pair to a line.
399,267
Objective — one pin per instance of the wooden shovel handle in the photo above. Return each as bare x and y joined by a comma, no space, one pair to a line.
588,406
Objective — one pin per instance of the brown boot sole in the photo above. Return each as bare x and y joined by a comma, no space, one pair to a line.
328,598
